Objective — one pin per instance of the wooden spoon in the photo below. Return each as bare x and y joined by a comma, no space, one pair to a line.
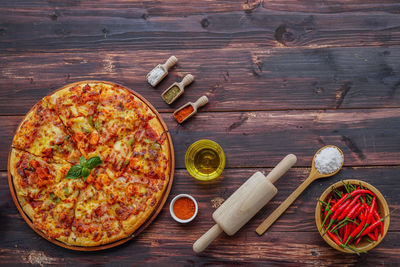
155,76
314,175
188,79
196,105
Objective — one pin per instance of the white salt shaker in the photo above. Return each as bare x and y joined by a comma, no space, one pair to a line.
160,71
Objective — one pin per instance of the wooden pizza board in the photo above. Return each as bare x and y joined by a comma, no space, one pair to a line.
151,217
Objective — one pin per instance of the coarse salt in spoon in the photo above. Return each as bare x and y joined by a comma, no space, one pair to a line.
160,71
326,162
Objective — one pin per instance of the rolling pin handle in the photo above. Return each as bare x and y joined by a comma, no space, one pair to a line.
205,240
283,166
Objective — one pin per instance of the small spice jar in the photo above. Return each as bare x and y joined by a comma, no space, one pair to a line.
183,208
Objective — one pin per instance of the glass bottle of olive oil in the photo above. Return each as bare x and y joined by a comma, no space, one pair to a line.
205,160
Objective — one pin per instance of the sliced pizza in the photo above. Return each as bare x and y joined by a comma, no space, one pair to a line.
150,154
94,222
76,106
43,192
133,197
55,216
42,133
119,115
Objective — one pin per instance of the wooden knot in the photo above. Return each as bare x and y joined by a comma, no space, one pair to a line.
204,23
251,5
54,15
284,35
145,16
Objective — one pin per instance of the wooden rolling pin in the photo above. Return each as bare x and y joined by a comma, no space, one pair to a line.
244,203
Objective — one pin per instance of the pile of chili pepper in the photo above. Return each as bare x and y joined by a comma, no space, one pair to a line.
350,215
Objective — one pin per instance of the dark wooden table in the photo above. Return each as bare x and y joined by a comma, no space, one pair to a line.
282,76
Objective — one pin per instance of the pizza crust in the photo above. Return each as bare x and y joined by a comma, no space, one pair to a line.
156,124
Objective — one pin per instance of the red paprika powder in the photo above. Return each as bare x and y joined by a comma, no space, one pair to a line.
183,113
184,208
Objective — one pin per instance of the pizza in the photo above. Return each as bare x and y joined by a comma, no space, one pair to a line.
43,134
67,198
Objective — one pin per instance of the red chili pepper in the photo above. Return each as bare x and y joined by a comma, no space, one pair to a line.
333,209
340,209
339,201
377,217
356,231
335,239
366,208
336,214
341,232
372,227
348,208
354,226
372,236
371,210
351,215
361,191
344,197
347,230
362,215
355,211
327,214
362,198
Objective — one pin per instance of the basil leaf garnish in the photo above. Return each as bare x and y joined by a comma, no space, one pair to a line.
93,162
83,169
82,160
74,172
85,172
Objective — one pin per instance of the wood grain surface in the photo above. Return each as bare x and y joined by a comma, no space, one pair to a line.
282,77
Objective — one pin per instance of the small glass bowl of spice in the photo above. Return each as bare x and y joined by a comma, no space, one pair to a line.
183,208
